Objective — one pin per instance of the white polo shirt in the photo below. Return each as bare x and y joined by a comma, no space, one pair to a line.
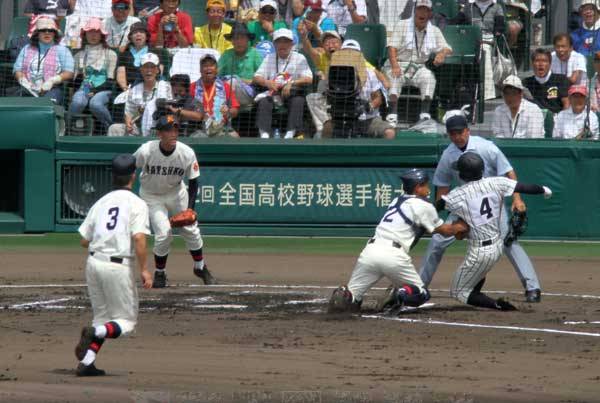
295,64
576,62
568,125
527,124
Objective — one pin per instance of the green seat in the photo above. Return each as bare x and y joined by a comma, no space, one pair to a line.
465,43
19,27
448,8
196,9
372,39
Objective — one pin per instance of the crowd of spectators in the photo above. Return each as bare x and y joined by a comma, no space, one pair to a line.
270,61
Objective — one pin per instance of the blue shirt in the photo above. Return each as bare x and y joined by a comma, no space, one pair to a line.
326,24
65,58
495,161
586,41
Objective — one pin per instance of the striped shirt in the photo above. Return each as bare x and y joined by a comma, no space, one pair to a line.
480,204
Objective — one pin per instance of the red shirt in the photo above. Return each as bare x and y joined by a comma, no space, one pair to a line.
184,21
208,101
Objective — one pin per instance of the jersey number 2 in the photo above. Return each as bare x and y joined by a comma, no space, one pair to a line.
486,209
114,214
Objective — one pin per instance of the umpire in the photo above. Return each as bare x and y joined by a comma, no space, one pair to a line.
496,164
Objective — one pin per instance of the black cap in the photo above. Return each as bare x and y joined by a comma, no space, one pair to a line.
456,122
239,28
166,122
207,57
123,165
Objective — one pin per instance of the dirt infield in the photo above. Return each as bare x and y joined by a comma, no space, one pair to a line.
240,342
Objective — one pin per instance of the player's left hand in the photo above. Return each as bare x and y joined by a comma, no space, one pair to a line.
146,279
519,205
462,229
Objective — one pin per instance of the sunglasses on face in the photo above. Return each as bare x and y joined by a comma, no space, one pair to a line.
121,7
269,11
46,31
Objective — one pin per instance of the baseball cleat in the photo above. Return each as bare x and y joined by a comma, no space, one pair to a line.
533,295
160,279
389,299
342,301
504,305
205,275
89,370
87,336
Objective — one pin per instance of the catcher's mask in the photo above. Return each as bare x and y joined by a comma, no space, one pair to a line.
470,166
412,178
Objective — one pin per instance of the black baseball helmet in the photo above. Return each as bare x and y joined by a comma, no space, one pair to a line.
412,178
470,166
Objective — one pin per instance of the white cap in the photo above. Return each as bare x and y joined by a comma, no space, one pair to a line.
351,44
513,81
589,2
149,58
272,3
283,33
331,32
424,3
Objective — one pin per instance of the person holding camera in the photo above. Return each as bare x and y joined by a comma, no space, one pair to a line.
169,27
141,100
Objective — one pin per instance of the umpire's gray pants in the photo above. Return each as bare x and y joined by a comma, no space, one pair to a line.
515,254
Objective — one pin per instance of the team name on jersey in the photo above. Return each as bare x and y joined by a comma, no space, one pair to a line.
162,170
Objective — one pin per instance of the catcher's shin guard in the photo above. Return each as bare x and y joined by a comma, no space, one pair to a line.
341,301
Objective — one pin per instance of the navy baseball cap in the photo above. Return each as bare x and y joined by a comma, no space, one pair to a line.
166,122
456,122
123,165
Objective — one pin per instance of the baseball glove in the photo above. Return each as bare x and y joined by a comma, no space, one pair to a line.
186,217
516,227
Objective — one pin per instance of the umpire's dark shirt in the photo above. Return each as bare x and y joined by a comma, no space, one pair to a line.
550,94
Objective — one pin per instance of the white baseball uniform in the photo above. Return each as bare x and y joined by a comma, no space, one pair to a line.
109,227
163,189
480,204
386,254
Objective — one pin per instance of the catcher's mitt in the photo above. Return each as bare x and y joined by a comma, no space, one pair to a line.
516,227
186,217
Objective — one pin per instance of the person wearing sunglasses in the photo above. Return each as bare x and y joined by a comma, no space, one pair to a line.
213,35
119,24
43,64
267,24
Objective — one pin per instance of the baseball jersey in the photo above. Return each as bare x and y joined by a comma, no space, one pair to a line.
480,203
393,227
495,161
164,173
113,220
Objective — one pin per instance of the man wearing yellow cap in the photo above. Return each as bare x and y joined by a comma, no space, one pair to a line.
212,35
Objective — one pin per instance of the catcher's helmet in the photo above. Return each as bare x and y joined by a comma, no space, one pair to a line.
470,166
412,178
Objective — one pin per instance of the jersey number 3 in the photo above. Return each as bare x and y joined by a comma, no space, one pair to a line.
113,213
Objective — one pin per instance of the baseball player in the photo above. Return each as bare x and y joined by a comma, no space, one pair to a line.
480,203
164,164
386,254
114,232
496,164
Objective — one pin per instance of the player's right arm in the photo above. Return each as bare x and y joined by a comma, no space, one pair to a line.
86,229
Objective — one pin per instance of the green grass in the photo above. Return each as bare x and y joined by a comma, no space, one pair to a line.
309,246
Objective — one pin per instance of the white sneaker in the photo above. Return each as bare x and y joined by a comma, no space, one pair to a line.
318,134
424,116
264,135
392,118
289,134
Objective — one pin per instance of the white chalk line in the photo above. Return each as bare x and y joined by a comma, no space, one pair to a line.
37,303
481,326
295,287
582,322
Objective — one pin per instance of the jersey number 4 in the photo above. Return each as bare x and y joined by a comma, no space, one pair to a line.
486,209
113,213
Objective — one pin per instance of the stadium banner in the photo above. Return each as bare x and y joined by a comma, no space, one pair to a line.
296,195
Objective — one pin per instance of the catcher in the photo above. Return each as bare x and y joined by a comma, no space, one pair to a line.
386,254
164,164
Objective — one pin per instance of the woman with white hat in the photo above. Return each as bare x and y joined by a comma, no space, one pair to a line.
96,62
43,64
